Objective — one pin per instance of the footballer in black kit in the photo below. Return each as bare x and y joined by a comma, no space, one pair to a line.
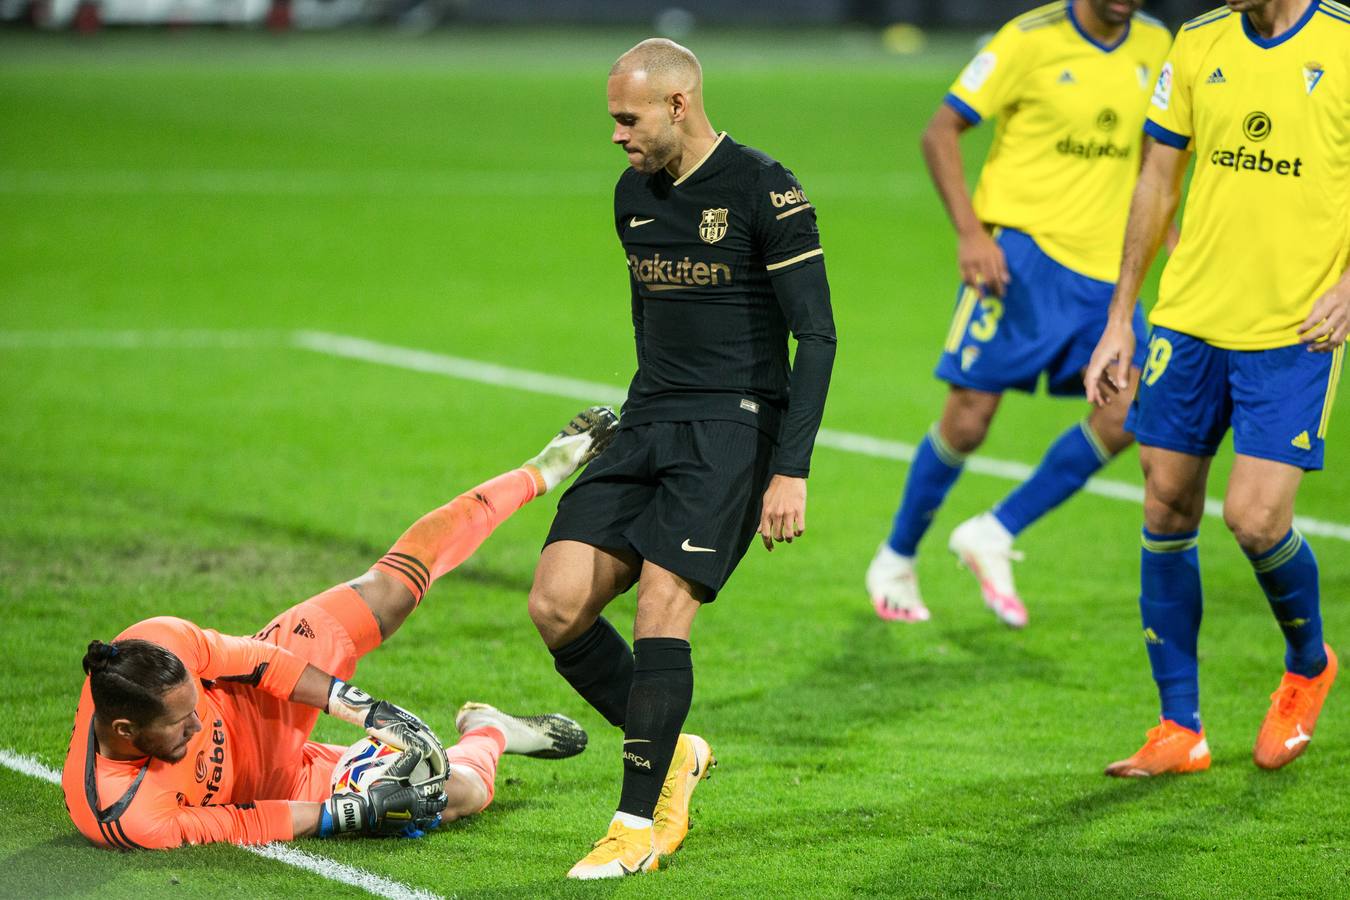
724,268
724,263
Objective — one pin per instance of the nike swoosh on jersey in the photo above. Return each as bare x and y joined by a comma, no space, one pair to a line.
635,222
690,548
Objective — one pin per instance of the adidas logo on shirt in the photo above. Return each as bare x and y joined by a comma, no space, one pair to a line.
1216,77
1066,77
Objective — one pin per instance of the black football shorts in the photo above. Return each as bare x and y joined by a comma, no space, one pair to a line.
684,495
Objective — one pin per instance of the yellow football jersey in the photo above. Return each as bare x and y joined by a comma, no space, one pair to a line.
1070,113
1266,226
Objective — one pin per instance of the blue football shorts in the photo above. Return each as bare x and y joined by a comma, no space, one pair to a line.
1048,320
1278,401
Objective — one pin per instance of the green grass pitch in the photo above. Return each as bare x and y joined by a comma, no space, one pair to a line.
452,194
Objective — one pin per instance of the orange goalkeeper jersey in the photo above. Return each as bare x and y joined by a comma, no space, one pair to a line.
211,793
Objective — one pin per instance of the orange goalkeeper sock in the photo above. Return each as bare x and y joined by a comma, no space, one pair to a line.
478,751
445,537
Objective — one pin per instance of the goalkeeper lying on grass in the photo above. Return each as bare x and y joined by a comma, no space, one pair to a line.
187,736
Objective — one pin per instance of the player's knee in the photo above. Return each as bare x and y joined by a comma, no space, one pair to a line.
1256,526
467,792
555,614
1108,424
967,437
667,609
1171,509
966,420
964,429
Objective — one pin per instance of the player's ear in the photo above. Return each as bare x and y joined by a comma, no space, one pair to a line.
678,104
124,729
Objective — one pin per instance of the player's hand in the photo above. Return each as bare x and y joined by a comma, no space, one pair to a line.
982,262
390,806
1327,325
783,516
388,724
1108,372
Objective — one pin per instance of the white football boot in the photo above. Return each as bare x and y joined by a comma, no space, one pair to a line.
984,547
582,440
894,587
551,736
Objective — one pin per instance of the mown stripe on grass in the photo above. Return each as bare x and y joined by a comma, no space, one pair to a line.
597,392
430,362
321,866
390,183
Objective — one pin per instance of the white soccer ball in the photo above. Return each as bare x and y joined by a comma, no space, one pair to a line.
365,762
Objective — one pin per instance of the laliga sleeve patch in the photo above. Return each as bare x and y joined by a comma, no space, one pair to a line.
978,71
1162,92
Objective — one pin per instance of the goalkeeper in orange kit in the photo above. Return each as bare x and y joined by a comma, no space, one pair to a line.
187,736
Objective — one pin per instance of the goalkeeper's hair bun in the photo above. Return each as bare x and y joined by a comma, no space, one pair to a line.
128,678
98,657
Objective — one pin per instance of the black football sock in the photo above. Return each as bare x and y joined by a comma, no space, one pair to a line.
663,686
599,666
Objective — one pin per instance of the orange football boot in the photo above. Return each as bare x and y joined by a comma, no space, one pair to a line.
1294,708
1170,749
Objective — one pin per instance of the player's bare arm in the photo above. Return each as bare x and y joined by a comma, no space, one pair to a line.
1327,325
980,258
1152,209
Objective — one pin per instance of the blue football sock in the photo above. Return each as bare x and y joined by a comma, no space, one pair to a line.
1288,575
935,469
1075,457
1170,602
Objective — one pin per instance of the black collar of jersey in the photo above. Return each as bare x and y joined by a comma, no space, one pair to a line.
108,818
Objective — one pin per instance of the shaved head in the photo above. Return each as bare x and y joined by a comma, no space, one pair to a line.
655,95
664,63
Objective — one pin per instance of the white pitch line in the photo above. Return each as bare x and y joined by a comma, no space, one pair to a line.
321,866
27,765
597,392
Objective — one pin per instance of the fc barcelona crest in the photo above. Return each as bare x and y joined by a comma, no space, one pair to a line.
713,226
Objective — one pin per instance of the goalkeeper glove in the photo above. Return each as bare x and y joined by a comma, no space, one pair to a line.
390,806
388,724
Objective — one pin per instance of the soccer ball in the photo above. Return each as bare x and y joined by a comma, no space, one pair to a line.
366,761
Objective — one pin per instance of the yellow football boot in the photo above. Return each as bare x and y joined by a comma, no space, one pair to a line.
622,851
693,761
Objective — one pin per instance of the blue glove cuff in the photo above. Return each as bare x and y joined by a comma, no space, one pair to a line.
325,822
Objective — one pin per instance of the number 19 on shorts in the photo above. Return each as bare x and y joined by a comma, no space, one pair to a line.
1159,355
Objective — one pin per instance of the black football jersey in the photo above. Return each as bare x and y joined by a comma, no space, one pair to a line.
703,250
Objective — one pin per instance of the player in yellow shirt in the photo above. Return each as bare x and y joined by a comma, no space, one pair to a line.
1248,333
1039,247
